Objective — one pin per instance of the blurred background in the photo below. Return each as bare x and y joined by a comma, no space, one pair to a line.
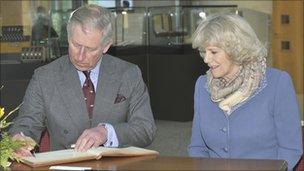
155,35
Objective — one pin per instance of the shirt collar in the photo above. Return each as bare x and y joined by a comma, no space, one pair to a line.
95,70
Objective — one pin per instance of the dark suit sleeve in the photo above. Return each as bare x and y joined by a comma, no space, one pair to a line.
139,130
31,117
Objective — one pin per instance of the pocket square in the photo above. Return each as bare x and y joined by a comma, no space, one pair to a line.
119,98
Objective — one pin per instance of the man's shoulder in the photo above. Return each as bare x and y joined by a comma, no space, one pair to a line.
117,61
117,64
54,66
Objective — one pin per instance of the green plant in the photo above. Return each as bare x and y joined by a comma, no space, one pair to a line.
7,144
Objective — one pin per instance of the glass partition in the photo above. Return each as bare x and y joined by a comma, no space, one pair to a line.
59,19
171,26
33,31
41,32
130,27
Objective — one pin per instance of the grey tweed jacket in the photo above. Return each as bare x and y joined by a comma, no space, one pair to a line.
54,100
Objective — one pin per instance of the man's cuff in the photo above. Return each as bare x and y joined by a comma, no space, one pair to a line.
112,140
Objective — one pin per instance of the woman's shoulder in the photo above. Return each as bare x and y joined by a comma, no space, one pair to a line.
201,80
275,75
278,80
201,84
274,71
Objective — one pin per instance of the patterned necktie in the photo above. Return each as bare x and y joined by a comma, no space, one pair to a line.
89,93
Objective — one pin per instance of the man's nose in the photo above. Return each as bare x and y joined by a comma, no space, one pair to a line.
81,53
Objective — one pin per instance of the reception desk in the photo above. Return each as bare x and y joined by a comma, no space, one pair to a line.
169,163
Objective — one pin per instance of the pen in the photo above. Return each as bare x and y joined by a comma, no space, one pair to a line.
72,146
33,153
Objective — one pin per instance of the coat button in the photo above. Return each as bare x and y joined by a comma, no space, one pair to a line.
65,131
225,149
224,129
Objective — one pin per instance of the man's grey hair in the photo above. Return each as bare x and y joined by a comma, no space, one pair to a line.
231,33
92,16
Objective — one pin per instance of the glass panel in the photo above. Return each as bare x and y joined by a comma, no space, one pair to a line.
42,24
60,19
39,30
161,24
130,27
104,3
175,25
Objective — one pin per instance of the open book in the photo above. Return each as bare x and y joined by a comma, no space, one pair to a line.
70,155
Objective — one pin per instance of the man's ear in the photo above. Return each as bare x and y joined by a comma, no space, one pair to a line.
107,47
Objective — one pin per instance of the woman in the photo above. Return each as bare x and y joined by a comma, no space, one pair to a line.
242,109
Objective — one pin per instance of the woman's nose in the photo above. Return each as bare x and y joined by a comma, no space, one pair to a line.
207,57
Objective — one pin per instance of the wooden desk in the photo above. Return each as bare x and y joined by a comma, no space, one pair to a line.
170,163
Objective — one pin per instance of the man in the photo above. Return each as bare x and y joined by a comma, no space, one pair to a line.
41,27
119,112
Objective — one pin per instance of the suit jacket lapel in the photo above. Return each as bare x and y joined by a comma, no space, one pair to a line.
106,89
71,93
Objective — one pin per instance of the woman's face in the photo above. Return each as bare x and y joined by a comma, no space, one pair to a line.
221,66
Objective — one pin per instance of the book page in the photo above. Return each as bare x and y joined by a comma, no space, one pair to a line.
128,151
70,155
56,157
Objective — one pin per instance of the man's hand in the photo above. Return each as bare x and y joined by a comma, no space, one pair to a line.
25,150
93,137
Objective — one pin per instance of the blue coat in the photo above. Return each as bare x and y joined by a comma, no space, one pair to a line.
266,126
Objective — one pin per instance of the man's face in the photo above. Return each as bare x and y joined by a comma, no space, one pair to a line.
85,47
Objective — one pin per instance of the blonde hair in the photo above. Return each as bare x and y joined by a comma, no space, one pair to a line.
231,33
